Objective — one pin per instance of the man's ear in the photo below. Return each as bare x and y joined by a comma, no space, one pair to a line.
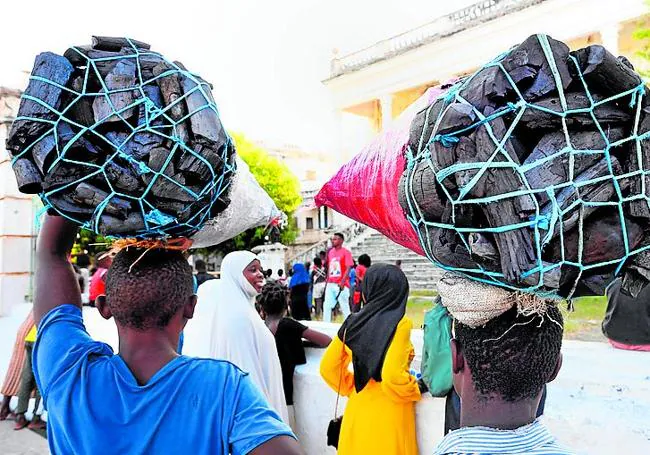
457,359
557,368
188,309
102,307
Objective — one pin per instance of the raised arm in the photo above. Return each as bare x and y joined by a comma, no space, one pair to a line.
56,283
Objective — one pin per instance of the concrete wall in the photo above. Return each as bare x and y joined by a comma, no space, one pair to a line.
16,220
598,405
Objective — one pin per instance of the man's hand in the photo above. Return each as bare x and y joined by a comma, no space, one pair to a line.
56,283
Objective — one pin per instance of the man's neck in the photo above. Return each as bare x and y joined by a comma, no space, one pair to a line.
497,413
145,352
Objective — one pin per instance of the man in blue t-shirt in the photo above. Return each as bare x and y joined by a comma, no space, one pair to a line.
147,399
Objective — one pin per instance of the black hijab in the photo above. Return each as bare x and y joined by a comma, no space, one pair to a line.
369,332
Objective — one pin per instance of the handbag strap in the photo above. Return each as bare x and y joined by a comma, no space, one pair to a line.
338,390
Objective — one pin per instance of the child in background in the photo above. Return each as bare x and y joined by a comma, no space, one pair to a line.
288,334
27,386
364,265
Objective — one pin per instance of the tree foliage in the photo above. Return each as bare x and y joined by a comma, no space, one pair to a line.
642,34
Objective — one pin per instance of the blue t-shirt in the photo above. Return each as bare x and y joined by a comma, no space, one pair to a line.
95,405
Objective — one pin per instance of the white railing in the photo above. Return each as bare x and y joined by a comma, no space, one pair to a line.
449,24
350,232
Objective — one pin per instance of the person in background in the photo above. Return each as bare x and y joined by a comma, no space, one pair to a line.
361,269
281,278
310,297
627,320
500,370
202,274
379,417
11,384
268,274
27,387
227,326
83,262
318,281
298,290
398,263
98,279
94,397
353,285
339,263
288,334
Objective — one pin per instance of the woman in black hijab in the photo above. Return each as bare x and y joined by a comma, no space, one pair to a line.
380,413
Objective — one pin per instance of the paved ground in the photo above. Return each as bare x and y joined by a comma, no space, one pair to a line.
23,442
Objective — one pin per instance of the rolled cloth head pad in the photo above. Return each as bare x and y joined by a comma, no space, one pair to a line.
474,304
122,141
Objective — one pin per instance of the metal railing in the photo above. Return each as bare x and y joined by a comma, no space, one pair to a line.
438,28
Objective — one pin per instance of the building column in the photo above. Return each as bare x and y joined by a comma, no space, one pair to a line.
609,36
386,105
16,220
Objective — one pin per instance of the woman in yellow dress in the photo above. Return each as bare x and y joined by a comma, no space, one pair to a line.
380,413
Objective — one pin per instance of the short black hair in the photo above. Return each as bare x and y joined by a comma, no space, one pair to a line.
83,261
364,260
268,273
273,298
280,272
199,265
512,356
340,235
147,293
318,262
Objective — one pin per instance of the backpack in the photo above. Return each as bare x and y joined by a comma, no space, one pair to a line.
436,355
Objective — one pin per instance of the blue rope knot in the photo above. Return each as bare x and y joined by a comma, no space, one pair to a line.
159,218
447,140
639,92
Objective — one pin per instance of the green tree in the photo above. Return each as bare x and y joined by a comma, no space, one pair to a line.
642,33
89,243
281,185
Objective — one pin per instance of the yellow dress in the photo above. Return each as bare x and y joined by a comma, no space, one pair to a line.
379,420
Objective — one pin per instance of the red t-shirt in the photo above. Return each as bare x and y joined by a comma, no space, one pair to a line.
97,284
361,272
338,263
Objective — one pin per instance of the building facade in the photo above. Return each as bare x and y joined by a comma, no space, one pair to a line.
313,169
377,83
17,220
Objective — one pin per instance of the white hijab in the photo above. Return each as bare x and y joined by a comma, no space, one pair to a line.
226,326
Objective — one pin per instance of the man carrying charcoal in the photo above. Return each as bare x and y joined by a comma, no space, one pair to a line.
147,399
500,368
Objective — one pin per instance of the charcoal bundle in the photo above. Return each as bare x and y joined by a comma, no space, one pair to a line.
532,173
122,141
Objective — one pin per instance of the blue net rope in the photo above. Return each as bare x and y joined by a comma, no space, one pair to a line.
155,120
542,224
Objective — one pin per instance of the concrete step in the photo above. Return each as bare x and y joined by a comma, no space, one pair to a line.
421,273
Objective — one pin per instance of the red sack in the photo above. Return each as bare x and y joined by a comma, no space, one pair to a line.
365,189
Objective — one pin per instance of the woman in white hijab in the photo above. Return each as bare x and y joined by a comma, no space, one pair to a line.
226,326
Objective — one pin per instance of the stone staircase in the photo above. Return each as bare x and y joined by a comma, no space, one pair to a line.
421,273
